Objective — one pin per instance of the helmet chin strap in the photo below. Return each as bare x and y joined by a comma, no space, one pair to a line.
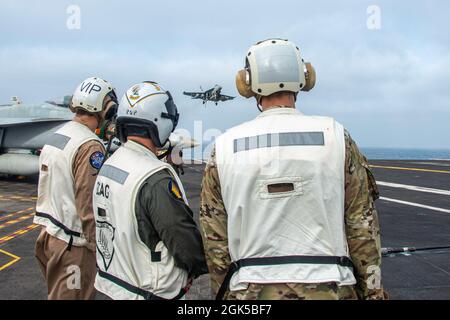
169,150
258,106
258,100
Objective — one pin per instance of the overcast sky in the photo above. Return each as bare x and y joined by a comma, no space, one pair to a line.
390,87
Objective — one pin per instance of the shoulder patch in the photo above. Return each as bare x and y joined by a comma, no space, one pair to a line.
173,189
96,159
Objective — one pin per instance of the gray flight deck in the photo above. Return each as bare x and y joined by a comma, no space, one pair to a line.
414,212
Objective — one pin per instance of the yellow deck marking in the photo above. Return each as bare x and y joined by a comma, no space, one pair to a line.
9,254
410,169
19,198
18,233
9,215
20,219
6,238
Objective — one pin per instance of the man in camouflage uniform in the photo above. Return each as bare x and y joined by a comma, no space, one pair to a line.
361,226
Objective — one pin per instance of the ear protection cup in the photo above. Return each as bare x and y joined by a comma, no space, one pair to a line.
242,86
310,76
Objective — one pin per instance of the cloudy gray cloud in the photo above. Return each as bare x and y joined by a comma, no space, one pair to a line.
389,87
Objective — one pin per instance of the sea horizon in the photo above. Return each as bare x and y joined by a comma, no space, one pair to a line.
402,153
371,153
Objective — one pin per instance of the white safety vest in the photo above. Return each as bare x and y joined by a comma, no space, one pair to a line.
55,208
282,182
126,270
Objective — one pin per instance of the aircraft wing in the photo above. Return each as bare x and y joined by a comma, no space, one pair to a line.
25,114
10,122
195,95
28,135
223,97
29,126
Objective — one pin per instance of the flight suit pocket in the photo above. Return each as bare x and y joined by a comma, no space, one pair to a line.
44,183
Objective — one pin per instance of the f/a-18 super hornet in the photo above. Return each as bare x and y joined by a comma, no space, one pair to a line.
212,95
24,129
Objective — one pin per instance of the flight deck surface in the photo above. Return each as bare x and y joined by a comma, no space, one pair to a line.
414,211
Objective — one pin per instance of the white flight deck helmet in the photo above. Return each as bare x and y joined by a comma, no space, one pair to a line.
90,96
147,110
272,66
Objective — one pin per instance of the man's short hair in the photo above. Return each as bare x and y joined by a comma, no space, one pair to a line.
281,93
82,112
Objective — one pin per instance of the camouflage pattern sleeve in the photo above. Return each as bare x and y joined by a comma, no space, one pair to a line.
361,220
213,224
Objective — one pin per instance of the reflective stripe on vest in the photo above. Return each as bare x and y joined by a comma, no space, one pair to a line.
113,173
58,140
283,139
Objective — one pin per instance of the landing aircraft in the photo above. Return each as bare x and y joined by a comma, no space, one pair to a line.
212,95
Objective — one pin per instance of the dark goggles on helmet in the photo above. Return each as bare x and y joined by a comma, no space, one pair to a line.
112,110
172,111
113,96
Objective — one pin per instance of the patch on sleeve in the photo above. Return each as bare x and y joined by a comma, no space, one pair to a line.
96,160
173,189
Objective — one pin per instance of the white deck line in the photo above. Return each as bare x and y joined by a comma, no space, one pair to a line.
415,204
414,188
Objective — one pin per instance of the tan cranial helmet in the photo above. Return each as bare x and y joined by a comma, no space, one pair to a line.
272,66
91,93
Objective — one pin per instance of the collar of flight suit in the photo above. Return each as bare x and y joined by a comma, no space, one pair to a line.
80,125
139,148
279,110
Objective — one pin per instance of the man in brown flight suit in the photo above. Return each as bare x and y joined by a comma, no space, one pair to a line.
69,163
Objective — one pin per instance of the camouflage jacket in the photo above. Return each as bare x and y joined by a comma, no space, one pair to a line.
362,230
